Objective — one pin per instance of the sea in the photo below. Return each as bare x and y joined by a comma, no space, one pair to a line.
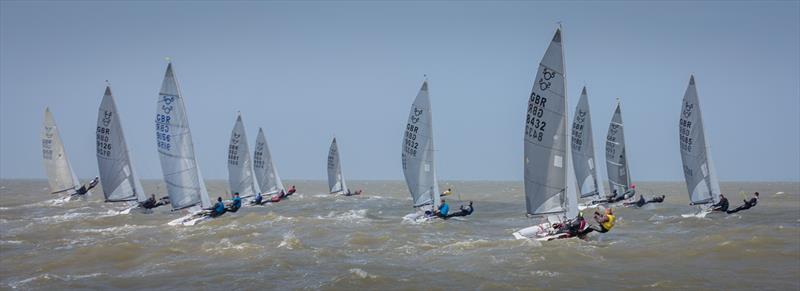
317,241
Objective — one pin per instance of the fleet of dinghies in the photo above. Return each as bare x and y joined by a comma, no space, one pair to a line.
560,166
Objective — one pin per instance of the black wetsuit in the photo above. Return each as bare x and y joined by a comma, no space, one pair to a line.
464,211
747,205
149,203
722,205
83,189
657,199
638,203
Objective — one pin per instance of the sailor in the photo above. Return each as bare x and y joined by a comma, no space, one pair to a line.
358,192
448,192
722,205
638,203
218,209
291,191
258,199
464,211
657,199
573,226
747,204
443,209
236,204
605,222
150,202
277,197
631,192
83,189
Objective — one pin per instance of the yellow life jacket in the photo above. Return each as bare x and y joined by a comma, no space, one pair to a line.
609,224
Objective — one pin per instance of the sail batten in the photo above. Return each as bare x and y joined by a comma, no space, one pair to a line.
60,175
550,184
698,167
179,166
241,178
417,152
264,166
336,182
120,181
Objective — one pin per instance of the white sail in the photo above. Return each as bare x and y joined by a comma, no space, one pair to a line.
336,182
547,160
266,173
583,148
619,175
60,175
240,168
120,181
698,167
176,150
417,152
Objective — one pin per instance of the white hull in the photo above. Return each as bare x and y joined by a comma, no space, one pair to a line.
417,217
190,219
702,212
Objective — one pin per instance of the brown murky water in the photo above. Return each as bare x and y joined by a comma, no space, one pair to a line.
315,241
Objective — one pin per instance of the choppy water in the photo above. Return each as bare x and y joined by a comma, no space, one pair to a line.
315,241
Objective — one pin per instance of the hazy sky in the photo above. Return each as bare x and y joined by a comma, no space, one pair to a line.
305,71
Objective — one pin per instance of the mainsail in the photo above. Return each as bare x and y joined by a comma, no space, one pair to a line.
175,148
120,181
619,175
583,148
698,168
240,168
264,166
549,177
335,177
417,152
60,175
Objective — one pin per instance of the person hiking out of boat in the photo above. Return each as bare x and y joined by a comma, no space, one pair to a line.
657,199
84,189
722,205
605,222
358,192
258,200
236,203
630,193
442,210
619,197
218,209
150,202
291,191
573,226
448,192
277,197
638,202
747,204
464,211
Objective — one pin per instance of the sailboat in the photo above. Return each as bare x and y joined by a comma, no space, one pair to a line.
550,185
182,175
120,181
241,177
583,149
59,171
336,182
418,157
619,175
266,173
698,167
